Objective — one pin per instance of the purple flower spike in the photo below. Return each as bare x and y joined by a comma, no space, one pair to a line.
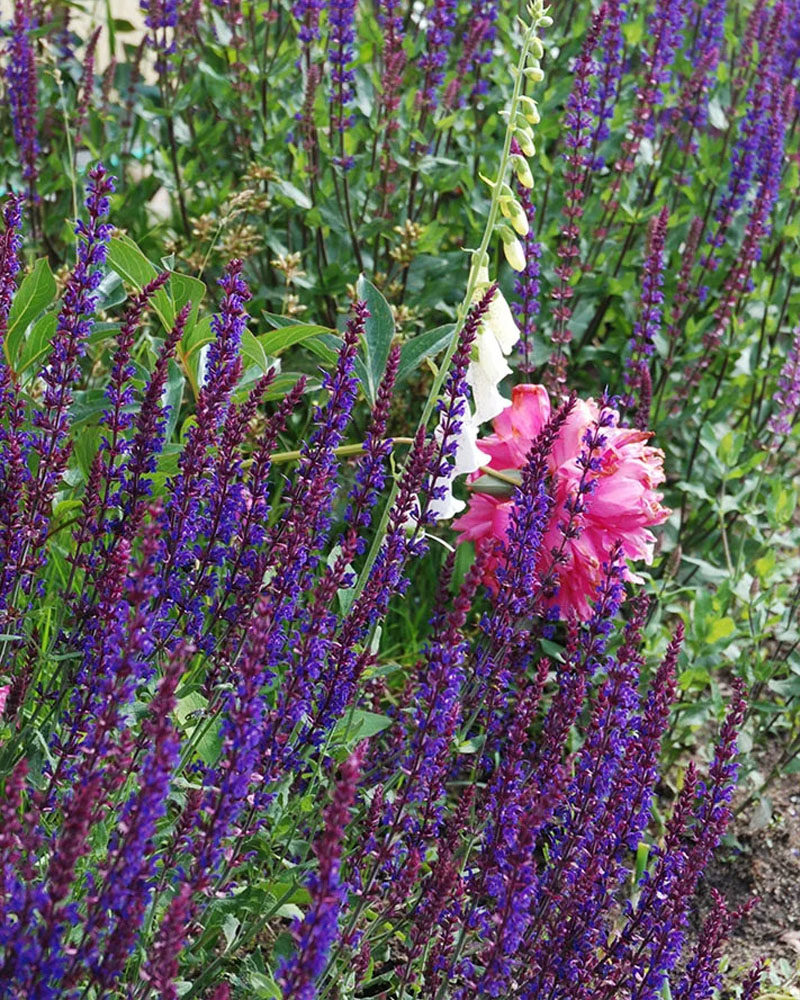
307,12
340,55
705,55
14,442
665,28
22,92
787,395
161,17
316,932
604,99
394,64
577,124
10,246
441,20
51,442
648,324
471,56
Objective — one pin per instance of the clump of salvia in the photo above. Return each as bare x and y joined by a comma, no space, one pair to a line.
196,711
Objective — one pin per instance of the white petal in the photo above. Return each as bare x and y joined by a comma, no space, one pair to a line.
468,457
500,321
448,506
490,357
488,400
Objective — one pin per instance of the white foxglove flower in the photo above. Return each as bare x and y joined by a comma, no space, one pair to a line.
497,336
485,373
500,320
469,458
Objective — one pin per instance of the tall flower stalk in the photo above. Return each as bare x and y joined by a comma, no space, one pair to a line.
23,92
527,67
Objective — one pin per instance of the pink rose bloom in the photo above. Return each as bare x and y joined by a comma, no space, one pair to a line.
623,506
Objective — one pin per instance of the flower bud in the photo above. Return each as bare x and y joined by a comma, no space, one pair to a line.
522,171
513,211
530,110
524,137
513,249
534,72
518,219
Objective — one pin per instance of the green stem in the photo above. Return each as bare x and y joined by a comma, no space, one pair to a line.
343,449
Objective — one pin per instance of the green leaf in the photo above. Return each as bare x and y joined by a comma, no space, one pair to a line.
197,338
721,628
253,353
360,726
694,678
781,504
173,397
378,335
729,448
184,288
276,341
264,987
295,196
111,291
38,343
552,649
326,347
286,381
426,345
125,257
446,122
276,321
35,293
190,703
633,32
209,746
230,928
85,447
642,855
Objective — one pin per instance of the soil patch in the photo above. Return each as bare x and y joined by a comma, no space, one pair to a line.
766,864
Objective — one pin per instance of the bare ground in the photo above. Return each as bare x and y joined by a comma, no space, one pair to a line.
764,862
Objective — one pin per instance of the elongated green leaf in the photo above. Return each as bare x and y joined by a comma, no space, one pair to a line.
378,335
197,337
111,291
293,194
125,257
287,336
85,448
325,347
38,343
360,725
426,345
253,353
286,381
36,292
183,288
172,397
276,321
